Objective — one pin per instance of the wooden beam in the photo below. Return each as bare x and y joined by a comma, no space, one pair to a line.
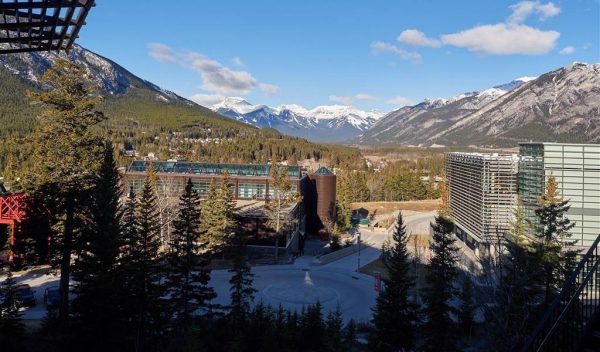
23,39
48,4
35,24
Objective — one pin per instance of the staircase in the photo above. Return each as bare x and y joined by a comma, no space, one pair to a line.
572,321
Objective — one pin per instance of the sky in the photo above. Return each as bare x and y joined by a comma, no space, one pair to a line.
372,54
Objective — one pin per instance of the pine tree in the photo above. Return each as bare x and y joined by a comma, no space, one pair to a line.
313,326
350,336
466,310
440,278
12,329
553,244
218,215
334,329
517,292
143,272
99,295
66,156
189,274
242,292
395,316
229,226
282,197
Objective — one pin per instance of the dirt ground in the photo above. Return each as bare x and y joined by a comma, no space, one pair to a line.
377,266
389,207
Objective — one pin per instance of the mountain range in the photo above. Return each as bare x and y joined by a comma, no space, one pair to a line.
562,105
130,101
327,123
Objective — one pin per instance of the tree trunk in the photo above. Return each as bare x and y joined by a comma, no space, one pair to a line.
277,230
65,264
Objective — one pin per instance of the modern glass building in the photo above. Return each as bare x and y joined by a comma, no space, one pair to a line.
250,181
482,191
577,171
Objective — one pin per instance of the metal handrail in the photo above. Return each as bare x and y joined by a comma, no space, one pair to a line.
538,342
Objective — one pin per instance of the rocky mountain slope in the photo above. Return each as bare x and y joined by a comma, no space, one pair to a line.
129,100
328,123
561,105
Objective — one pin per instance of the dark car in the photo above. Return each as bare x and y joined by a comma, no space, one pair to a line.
25,296
52,297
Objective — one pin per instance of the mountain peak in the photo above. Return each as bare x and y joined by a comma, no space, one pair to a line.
315,124
563,104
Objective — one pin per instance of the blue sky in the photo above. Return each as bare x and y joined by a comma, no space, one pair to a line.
373,54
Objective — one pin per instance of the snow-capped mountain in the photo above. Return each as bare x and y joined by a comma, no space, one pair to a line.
561,105
111,77
421,124
327,123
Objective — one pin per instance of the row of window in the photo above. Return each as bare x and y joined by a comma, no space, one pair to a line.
244,191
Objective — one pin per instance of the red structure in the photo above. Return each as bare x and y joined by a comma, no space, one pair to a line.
12,212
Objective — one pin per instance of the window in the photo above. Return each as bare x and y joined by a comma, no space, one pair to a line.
250,190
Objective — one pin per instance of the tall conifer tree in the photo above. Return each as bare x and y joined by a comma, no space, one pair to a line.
218,217
441,275
99,297
143,277
242,292
189,273
517,292
66,156
553,245
12,329
395,316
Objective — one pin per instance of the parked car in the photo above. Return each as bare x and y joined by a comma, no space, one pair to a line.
52,297
25,296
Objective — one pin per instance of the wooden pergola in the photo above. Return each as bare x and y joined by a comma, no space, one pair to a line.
41,25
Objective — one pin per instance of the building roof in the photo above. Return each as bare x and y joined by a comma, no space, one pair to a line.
41,25
197,168
251,208
323,171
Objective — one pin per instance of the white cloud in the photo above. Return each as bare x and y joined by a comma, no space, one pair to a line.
523,9
217,78
417,38
269,89
341,100
504,39
238,62
399,101
365,97
382,47
207,99
221,79
162,53
567,50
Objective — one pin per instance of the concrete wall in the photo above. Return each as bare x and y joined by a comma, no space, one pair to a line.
331,257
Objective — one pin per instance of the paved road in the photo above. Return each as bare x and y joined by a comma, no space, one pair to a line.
415,224
292,286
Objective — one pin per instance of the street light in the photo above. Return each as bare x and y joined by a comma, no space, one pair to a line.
358,242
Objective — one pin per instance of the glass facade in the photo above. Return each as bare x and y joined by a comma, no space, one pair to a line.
482,191
182,167
251,191
577,171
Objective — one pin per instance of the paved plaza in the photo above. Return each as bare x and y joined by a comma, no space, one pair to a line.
293,286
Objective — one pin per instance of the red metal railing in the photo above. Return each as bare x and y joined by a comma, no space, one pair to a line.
12,208
12,212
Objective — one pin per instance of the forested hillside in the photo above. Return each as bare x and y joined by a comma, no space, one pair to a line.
146,118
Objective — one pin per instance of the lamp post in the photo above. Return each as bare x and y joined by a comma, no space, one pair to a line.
358,242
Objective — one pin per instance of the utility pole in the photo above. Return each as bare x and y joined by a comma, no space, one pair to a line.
358,242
